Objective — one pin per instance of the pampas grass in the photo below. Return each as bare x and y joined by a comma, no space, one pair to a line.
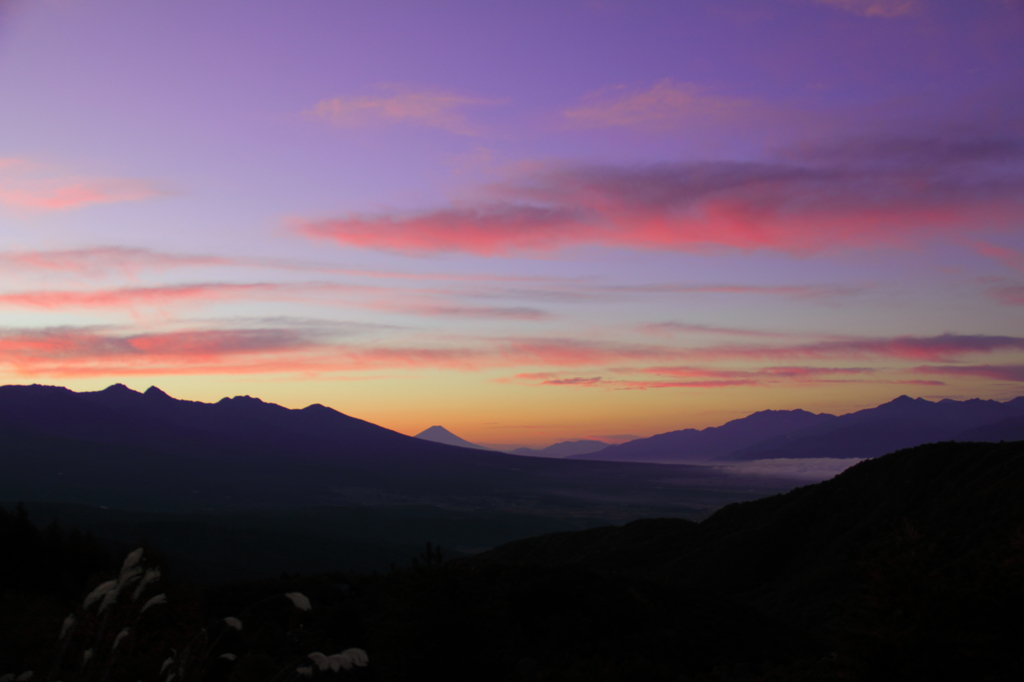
300,600
97,641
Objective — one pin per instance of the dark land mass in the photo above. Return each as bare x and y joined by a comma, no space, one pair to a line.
904,567
243,488
910,566
147,451
778,434
563,449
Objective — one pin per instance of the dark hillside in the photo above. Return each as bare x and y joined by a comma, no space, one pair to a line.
929,541
795,548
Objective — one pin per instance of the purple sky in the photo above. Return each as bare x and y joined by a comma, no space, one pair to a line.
526,221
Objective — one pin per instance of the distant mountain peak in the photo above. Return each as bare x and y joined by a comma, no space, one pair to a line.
119,389
154,392
439,434
435,431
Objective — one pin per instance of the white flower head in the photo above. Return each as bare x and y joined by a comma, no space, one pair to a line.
233,623
349,657
24,677
300,600
131,560
109,598
228,657
151,576
154,601
68,623
305,671
120,636
320,660
128,577
98,593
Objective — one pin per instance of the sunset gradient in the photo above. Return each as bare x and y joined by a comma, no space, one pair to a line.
526,221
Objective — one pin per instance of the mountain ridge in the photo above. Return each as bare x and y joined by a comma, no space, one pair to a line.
126,449
798,434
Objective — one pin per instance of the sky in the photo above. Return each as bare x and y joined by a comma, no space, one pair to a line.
525,221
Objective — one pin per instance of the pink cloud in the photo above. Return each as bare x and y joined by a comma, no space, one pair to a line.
665,328
1011,295
576,353
930,348
875,8
421,301
487,231
666,105
798,291
547,379
694,377
765,372
1011,258
91,352
435,109
131,296
998,372
25,185
510,313
315,352
98,260
862,194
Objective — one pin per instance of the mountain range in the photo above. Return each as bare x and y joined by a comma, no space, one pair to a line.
798,434
125,449
566,448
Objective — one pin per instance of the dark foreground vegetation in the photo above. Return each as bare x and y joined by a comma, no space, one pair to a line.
907,567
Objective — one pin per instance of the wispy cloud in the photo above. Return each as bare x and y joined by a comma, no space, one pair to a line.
130,296
67,351
1012,295
875,8
1011,258
420,301
104,259
998,372
941,348
665,328
437,109
487,231
27,186
322,350
702,377
881,193
765,372
800,291
666,105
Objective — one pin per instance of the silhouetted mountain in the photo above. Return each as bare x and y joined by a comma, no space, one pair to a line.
691,445
902,423
1008,429
439,434
122,448
906,566
564,449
